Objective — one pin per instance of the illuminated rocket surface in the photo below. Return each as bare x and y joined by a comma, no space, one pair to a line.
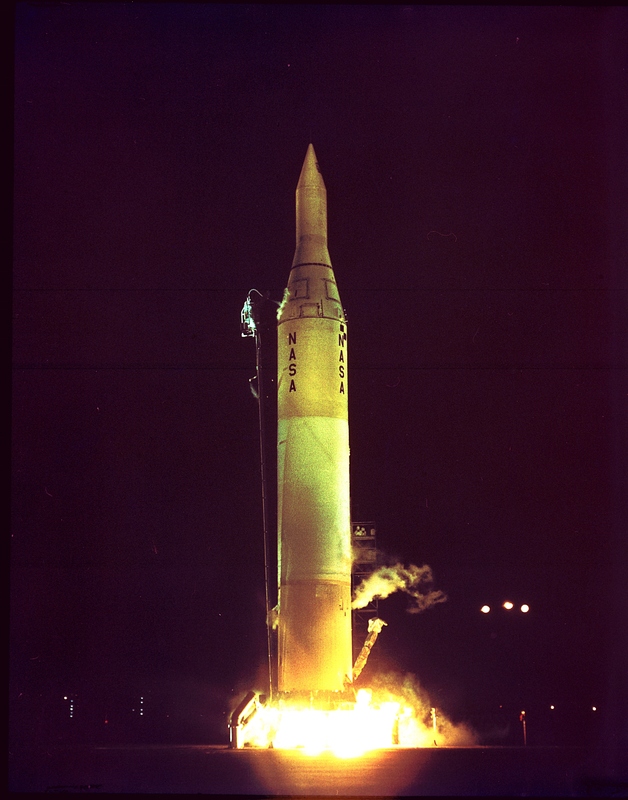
317,706
314,522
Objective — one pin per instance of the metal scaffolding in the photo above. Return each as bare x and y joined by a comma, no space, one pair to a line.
364,547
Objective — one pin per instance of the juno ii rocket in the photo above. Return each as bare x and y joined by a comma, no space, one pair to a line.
313,511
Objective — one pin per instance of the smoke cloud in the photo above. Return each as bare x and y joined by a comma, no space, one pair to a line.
412,580
421,729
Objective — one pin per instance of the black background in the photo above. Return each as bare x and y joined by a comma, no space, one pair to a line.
475,166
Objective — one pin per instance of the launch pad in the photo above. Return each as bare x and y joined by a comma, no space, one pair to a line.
218,770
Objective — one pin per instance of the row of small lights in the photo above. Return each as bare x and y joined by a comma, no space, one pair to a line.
141,707
508,606
71,699
553,708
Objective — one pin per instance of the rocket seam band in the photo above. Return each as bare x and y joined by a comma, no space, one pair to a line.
311,264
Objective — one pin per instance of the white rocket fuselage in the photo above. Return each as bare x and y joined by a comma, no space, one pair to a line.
314,518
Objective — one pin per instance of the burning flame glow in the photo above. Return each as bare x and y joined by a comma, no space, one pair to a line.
376,720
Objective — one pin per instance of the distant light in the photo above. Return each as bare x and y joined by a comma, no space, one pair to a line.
508,605
552,707
594,708
525,608
485,609
65,697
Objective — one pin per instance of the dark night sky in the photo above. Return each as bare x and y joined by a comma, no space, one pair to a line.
475,166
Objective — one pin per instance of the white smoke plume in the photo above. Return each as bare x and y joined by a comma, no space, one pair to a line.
412,580
284,300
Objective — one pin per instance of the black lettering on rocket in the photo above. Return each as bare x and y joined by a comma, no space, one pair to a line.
292,368
342,338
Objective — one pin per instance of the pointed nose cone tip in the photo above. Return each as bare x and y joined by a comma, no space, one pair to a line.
311,214
310,156
310,171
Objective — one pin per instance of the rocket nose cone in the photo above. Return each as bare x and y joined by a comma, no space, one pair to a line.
311,214
310,171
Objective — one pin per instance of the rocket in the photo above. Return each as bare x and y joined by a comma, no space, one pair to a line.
314,649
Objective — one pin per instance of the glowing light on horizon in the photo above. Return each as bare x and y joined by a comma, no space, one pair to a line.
485,609
508,605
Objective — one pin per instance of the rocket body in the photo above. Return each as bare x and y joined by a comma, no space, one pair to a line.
314,518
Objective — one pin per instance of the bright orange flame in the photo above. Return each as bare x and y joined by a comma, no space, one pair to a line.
348,731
